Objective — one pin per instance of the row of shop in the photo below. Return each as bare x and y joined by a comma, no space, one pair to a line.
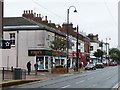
47,59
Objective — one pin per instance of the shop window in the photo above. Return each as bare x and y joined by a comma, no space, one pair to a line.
57,62
40,61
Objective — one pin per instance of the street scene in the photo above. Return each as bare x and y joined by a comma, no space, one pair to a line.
102,78
54,45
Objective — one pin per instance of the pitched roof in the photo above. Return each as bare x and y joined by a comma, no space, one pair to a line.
16,21
22,23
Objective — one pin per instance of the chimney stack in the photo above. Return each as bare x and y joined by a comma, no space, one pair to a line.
68,27
29,14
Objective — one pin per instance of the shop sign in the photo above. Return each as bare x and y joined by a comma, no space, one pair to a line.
39,52
59,53
56,53
72,54
34,52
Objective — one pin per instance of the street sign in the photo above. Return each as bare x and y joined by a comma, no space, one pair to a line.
5,44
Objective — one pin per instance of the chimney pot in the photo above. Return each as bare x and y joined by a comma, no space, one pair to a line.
34,14
37,15
29,11
24,11
45,18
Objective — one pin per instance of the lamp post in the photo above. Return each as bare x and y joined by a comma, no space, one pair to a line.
77,51
107,49
68,32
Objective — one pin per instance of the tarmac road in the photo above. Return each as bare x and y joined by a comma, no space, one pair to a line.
105,78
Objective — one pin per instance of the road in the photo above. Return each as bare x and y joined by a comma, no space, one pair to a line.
104,78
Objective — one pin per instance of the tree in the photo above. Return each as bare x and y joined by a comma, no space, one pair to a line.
99,53
58,44
115,54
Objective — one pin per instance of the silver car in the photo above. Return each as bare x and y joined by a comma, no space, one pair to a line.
90,67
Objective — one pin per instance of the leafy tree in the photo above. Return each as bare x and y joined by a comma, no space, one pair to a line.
115,54
58,44
99,53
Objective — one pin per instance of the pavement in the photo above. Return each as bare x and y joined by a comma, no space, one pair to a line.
32,78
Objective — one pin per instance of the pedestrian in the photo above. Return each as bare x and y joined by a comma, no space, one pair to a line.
36,68
29,67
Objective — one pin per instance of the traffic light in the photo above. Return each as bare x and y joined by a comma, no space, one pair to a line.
5,44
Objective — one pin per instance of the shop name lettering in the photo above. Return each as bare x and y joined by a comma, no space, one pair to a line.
36,52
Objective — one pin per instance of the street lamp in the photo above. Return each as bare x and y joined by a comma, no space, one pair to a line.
107,48
68,32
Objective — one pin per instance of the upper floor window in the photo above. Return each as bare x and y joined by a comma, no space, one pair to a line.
91,48
12,38
48,38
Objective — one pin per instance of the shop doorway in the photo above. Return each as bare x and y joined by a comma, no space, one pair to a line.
40,61
44,62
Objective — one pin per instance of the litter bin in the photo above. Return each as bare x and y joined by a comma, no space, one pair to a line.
17,73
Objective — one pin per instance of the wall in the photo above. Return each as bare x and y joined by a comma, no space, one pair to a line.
27,40
31,40
95,47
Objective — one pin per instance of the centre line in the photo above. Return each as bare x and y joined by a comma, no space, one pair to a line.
80,82
66,86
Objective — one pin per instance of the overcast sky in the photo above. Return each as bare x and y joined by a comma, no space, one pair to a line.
93,16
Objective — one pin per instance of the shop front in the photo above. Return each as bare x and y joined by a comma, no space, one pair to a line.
46,59
73,59
59,57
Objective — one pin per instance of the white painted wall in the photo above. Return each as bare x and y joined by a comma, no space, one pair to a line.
81,46
27,39
95,47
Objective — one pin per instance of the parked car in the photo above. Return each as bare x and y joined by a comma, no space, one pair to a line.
90,67
99,65
113,64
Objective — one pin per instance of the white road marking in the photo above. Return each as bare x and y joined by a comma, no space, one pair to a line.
66,86
108,78
80,82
